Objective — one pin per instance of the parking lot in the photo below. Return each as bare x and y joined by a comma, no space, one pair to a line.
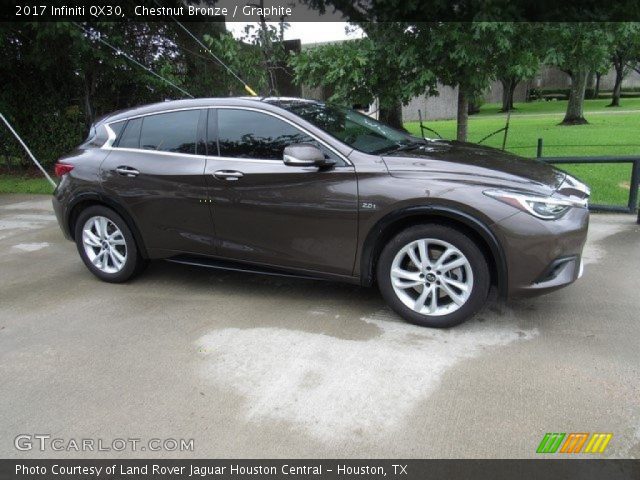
253,366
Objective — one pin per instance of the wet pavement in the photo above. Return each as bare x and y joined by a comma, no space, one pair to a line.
253,366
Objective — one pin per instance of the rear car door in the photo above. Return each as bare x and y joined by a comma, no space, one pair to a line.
269,213
156,171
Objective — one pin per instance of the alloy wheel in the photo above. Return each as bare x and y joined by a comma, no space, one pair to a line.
104,244
431,277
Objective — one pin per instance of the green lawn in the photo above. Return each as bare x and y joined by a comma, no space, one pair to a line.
559,107
611,131
22,184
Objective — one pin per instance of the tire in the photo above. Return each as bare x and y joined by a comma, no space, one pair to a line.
410,289
122,256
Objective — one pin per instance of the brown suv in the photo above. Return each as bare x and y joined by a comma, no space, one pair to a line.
301,188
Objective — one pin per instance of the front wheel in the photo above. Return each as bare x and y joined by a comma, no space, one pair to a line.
434,276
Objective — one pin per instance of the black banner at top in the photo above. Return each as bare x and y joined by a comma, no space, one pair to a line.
320,10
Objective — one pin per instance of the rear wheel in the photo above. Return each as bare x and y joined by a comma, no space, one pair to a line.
106,245
434,276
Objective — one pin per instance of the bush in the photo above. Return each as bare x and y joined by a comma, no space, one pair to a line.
58,132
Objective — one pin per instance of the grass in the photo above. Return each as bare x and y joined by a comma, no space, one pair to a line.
611,131
24,184
559,107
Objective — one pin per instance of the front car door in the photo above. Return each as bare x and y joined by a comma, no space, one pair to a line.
156,171
269,213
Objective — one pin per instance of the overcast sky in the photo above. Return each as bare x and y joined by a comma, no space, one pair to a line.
307,32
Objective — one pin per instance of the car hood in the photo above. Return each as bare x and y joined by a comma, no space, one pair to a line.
467,162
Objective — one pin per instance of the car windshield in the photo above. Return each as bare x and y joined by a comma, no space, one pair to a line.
356,130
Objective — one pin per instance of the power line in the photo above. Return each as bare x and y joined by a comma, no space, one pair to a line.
129,57
208,50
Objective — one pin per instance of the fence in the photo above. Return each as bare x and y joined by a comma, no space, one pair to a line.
632,204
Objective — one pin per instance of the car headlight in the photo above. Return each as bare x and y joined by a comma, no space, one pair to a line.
546,208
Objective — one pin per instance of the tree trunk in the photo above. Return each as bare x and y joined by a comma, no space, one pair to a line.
596,90
617,86
473,107
574,115
508,88
88,107
267,54
463,115
512,90
589,89
392,115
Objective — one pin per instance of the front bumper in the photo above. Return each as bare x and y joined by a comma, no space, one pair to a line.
560,273
543,255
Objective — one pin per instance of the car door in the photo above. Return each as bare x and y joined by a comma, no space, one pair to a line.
156,171
269,213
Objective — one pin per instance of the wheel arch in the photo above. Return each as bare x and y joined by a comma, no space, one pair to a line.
86,200
393,223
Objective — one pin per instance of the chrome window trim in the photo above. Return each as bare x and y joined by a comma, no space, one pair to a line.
276,162
111,136
108,145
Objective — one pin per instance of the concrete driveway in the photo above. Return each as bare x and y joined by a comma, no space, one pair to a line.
252,366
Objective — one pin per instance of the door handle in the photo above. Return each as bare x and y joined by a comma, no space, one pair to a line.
127,171
229,175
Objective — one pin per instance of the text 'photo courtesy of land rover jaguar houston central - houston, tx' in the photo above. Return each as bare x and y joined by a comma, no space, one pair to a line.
299,187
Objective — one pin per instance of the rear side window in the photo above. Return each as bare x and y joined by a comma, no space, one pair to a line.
131,134
170,132
117,128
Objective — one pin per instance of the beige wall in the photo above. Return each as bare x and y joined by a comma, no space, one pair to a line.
444,106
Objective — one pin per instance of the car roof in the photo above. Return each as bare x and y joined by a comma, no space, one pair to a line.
266,103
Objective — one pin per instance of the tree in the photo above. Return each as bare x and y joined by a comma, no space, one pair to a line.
105,73
257,57
242,58
60,76
463,55
400,60
200,74
360,71
596,87
577,49
63,78
520,60
626,49
269,39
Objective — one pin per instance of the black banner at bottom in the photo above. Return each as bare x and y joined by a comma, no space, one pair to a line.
320,469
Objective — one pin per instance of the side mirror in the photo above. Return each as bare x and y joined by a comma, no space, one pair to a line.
305,155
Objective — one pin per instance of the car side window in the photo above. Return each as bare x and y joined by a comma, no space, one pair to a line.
256,135
170,132
117,128
131,135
